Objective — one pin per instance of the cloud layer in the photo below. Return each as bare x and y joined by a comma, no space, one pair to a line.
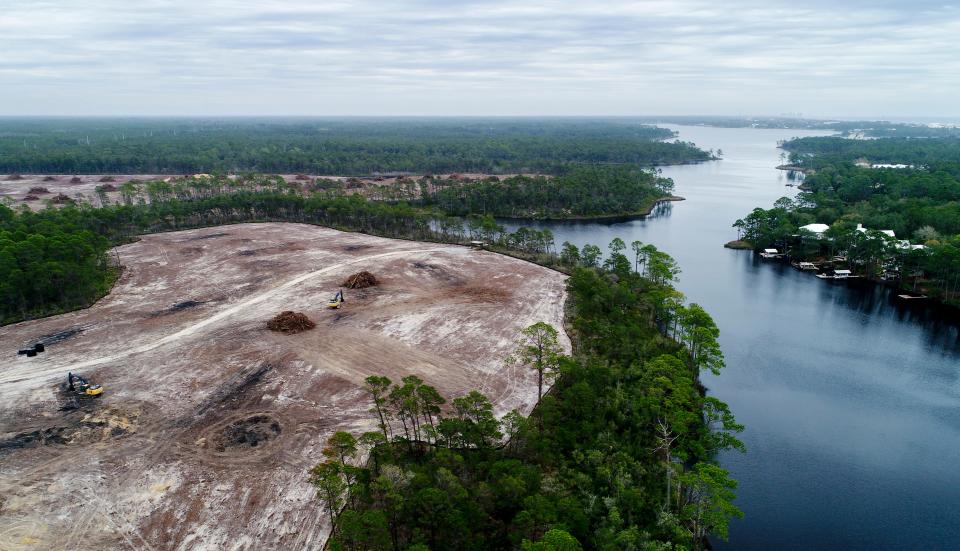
433,57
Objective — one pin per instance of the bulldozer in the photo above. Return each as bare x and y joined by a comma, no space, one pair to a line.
337,300
82,387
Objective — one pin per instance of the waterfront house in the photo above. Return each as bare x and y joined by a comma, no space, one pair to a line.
888,233
816,229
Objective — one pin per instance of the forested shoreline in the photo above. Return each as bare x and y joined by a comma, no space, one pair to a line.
344,146
619,454
862,203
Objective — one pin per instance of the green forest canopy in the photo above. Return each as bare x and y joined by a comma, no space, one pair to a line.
920,203
332,146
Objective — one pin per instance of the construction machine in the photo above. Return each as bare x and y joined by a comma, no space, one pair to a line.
81,386
337,300
31,352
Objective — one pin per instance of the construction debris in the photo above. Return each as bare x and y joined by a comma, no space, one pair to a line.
290,322
360,280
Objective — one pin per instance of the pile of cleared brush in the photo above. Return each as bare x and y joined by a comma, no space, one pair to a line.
108,179
38,190
107,187
75,180
62,199
14,177
302,177
49,178
360,280
290,322
30,198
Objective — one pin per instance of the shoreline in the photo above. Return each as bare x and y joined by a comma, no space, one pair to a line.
601,217
927,302
796,168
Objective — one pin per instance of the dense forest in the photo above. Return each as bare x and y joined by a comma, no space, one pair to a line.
50,262
934,154
619,454
584,191
920,204
343,146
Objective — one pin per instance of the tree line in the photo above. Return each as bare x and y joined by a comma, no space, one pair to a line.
582,191
341,146
620,453
39,251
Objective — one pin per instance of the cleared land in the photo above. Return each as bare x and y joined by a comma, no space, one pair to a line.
209,421
16,190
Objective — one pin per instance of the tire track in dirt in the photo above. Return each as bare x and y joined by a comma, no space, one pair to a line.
24,373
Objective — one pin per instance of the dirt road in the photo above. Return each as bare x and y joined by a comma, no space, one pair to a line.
40,369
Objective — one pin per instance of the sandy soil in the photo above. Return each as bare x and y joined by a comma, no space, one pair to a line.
14,192
181,348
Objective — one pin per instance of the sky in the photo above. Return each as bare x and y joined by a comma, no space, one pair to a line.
818,58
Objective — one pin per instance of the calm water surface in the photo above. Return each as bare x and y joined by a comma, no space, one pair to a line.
851,400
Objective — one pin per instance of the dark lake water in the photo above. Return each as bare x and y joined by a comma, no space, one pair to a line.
851,400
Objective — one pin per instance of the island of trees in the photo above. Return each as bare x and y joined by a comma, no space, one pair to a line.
848,188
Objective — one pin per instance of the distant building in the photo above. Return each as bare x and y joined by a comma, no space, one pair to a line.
816,229
888,233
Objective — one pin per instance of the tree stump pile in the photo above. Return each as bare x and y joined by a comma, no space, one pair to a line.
360,280
290,322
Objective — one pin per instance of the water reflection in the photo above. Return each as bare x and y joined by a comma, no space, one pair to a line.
850,395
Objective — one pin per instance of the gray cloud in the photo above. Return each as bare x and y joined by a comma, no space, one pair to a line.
822,58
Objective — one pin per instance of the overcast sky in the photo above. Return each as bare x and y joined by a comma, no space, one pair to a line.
433,57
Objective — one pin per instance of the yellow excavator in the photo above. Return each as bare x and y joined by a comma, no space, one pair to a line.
81,386
337,300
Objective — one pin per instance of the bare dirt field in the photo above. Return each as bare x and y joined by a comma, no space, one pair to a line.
209,421
81,189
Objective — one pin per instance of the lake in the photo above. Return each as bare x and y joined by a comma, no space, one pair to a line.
851,399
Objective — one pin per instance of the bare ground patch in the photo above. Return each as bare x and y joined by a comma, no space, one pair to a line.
224,417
